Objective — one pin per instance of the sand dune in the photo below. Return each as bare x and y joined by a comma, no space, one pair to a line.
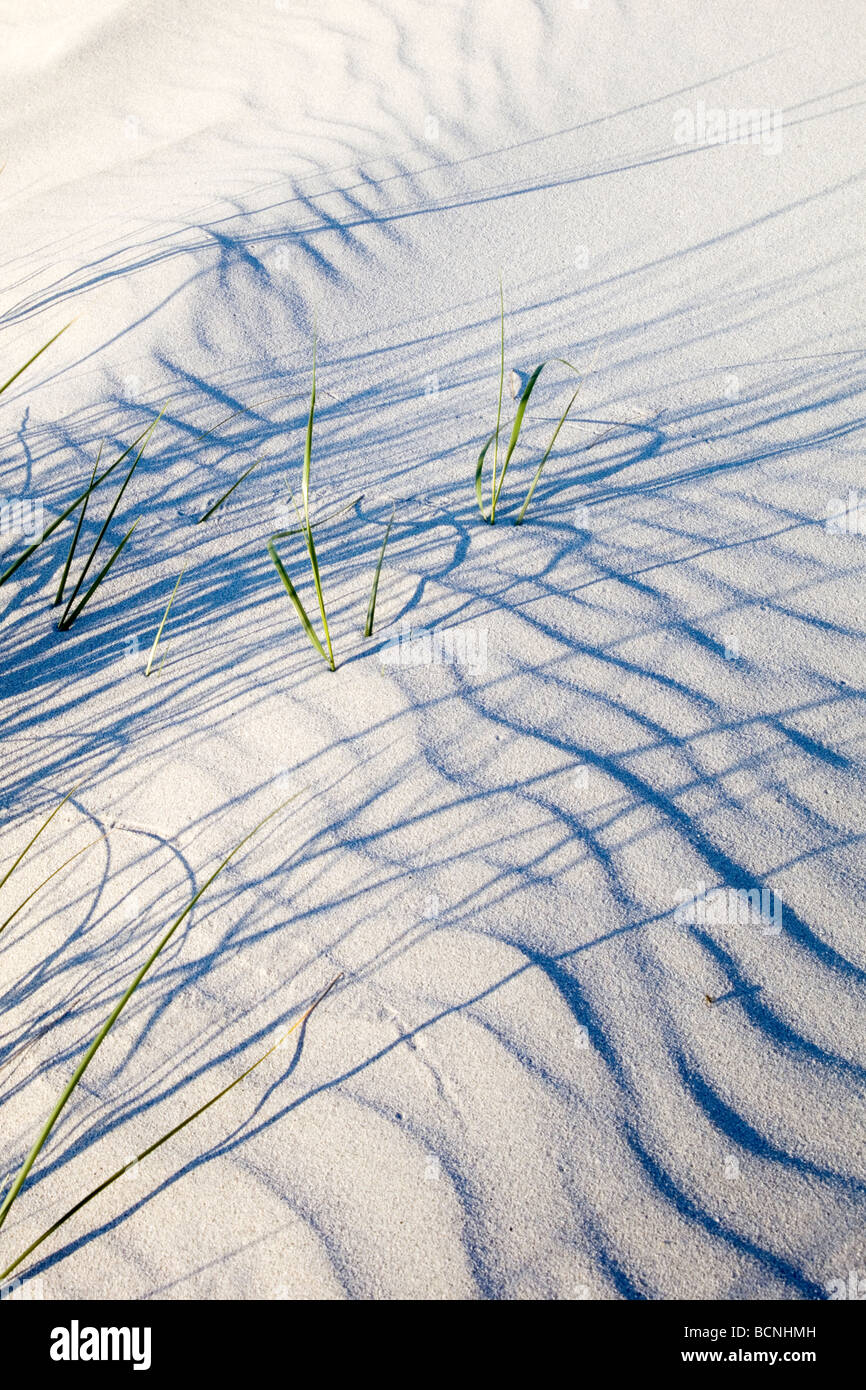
652,689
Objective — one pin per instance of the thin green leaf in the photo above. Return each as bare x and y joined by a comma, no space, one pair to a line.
308,446
169,1135
293,595
109,1023
69,618
65,864
210,511
320,521
9,872
515,433
162,625
371,609
29,363
547,451
58,597
562,420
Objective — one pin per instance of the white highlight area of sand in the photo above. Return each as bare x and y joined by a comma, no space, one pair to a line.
536,813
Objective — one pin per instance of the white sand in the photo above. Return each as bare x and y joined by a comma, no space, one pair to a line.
518,1089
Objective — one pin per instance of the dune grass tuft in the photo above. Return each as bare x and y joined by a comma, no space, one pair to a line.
82,497
306,531
497,480
73,609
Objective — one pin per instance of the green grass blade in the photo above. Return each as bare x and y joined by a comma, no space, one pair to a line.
479,467
317,580
29,363
168,1135
308,446
547,451
115,1014
69,618
371,609
65,864
210,511
320,521
294,596
243,410
515,432
162,624
9,872
58,597
7,574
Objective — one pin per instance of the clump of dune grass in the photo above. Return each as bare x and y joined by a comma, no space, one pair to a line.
81,500
108,1025
306,531
163,1139
498,474
305,528
73,609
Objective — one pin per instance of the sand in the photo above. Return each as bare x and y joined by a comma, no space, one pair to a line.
651,690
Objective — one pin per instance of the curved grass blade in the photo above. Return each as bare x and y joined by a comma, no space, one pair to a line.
162,625
65,864
29,363
243,410
9,872
478,476
115,1014
7,574
532,486
210,511
515,436
320,521
515,433
168,1135
66,621
559,426
293,595
58,597
371,610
